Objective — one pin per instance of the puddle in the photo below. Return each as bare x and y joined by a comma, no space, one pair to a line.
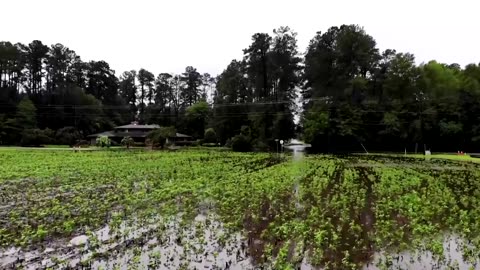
298,152
452,258
204,244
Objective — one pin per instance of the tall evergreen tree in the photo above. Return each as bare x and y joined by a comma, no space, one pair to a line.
128,91
145,81
192,82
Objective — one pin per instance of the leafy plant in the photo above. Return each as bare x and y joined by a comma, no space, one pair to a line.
210,136
159,136
127,141
103,141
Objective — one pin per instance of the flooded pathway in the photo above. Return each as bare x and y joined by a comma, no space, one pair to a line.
298,151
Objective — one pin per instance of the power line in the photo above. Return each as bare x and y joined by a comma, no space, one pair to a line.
80,113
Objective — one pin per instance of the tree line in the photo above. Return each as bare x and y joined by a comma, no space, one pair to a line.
49,92
355,94
350,93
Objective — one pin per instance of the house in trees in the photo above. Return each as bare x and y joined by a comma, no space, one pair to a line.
138,133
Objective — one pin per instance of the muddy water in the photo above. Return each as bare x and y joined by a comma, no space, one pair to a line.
297,148
298,152
197,246
453,258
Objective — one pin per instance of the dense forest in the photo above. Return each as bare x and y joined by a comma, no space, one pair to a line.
344,90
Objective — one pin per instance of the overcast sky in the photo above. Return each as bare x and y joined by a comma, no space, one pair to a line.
166,36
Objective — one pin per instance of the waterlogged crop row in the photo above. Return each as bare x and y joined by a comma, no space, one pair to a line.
45,195
333,212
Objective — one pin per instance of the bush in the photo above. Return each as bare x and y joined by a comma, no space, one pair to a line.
194,143
210,136
241,143
68,136
127,141
36,137
82,143
168,145
103,141
261,146
246,131
158,137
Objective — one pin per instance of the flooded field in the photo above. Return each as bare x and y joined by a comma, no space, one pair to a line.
222,210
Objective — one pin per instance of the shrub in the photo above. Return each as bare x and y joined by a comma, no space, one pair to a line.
261,146
194,143
36,137
241,143
82,143
158,137
103,141
127,141
246,131
68,136
210,136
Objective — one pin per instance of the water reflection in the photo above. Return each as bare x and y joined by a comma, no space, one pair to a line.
298,149
452,258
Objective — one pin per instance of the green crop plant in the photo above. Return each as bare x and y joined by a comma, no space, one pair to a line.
336,212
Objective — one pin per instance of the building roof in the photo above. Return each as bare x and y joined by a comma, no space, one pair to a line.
106,133
133,134
111,133
180,135
133,126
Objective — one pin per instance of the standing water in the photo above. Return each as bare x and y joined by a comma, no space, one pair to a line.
298,149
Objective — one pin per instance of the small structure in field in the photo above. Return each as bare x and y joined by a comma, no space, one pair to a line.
138,133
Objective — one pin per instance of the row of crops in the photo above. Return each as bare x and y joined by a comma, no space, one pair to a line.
223,210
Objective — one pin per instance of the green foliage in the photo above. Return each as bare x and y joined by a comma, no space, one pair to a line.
450,128
103,141
26,114
127,141
331,209
316,123
266,79
36,137
159,136
381,99
210,136
356,95
145,79
67,136
3,134
246,131
190,92
228,143
241,143
196,117
128,90
259,145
